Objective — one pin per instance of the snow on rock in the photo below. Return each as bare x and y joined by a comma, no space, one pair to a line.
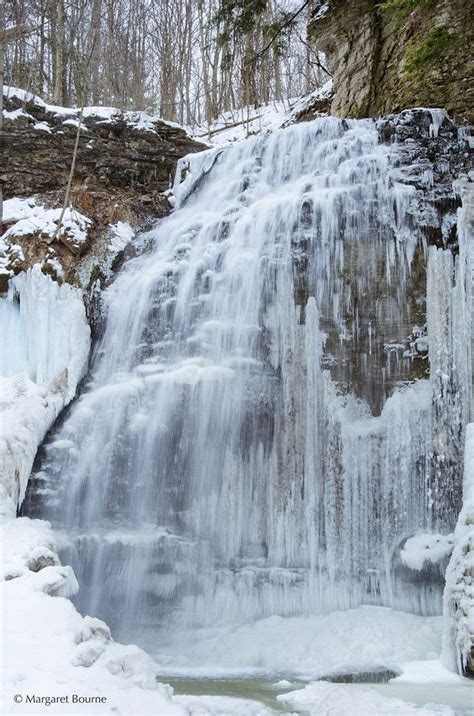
426,548
122,234
52,650
48,350
307,102
31,218
43,127
323,699
75,123
139,120
16,114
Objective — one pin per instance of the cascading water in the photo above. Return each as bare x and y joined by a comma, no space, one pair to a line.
255,438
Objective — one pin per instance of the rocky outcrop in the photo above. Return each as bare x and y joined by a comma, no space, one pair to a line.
388,56
125,163
117,151
389,345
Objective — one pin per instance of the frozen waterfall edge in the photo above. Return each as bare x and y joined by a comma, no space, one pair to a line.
458,602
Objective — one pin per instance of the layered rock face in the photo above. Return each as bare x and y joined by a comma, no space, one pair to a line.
119,151
125,161
385,57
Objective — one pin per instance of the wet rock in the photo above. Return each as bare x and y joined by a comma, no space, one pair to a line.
353,675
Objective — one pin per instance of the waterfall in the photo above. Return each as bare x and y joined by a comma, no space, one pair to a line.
269,413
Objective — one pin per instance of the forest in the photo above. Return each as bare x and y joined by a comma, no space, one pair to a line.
186,61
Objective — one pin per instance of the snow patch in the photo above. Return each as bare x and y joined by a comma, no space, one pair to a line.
122,234
31,218
323,699
52,648
42,127
424,548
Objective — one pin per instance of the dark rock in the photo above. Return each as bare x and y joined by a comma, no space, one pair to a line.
112,155
372,675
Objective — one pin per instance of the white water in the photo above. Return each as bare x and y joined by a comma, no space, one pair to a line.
235,454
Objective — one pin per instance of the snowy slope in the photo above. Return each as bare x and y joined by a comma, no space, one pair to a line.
52,649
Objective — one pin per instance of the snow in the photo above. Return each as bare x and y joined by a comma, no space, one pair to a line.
139,120
423,548
305,102
223,706
15,114
49,341
18,208
43,127
292,645
324,699
322,10
248,121
55,652
32,218
427,671
236,125
76,123
122,234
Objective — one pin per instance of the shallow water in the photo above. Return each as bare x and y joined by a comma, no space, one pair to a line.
266,689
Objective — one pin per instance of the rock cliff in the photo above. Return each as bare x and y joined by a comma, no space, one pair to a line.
387,56
125,162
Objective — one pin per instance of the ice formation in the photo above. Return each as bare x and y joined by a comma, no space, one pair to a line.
322,699
243,405
45,358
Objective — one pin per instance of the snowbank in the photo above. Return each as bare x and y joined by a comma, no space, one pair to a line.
323,699
310,646
50,650
235,125
48,350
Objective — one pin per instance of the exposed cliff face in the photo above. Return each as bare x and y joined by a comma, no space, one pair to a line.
388,343
388,56
125,162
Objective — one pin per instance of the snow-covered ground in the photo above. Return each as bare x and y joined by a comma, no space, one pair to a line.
107,115
50,650
326,699
249,121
